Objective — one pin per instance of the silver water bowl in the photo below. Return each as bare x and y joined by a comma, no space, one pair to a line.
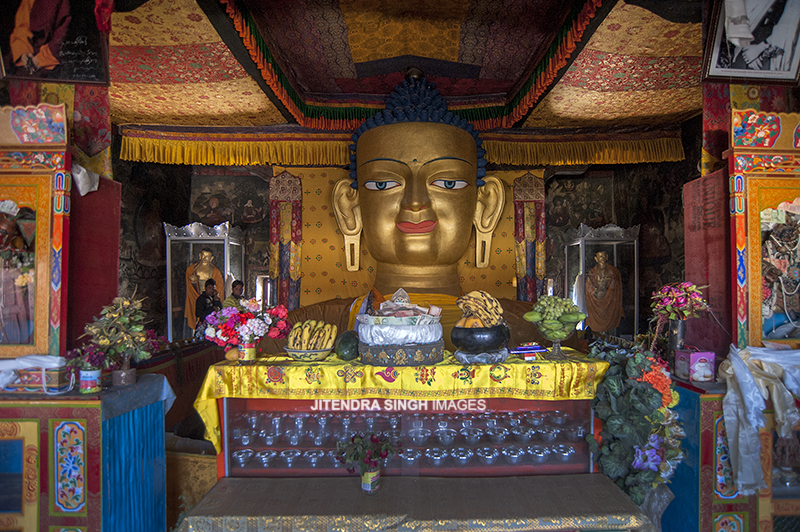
488,455
242,456
419,436
472,435
513,454
497,434
265,457
461,455
436,455
445,436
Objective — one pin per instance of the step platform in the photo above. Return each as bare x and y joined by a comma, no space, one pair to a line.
587,502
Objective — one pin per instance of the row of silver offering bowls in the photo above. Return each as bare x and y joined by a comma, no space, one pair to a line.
279,422
418,436
435,456
511,454
286,458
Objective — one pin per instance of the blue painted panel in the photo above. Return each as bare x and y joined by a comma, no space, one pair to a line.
135,471
683,513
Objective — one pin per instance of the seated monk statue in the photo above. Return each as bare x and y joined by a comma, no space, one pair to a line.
417,187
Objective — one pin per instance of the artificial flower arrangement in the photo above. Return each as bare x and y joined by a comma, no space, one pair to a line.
365,451
640,440
117,336
88,357
119,332
676,301
231,327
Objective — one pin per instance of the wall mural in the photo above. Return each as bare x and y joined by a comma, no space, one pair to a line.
239,196
151,195
648,195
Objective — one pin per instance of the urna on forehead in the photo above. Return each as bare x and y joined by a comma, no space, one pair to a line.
417,101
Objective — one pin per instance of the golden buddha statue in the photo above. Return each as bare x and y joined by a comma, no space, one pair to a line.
415,192
196,276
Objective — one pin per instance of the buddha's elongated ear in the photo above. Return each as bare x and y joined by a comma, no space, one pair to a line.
491,200
348,216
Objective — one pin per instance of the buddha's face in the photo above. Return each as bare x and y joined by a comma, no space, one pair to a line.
206,257
417,192
601,257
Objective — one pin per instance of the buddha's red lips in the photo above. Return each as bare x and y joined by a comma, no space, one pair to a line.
422,227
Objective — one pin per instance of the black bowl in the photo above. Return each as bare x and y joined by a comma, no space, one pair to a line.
480,339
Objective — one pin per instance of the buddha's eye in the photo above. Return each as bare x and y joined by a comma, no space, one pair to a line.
449,184
380,185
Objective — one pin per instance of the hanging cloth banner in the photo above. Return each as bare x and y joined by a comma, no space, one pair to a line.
285,236
529,235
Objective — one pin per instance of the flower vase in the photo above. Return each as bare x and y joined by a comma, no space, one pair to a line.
371,481
247,354
89,380
676,339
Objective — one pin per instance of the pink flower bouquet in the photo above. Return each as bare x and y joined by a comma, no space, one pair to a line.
678,302
232,327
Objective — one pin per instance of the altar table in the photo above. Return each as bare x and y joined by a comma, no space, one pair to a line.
589,502
572,376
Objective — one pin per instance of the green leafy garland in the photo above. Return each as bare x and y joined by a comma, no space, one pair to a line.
639,445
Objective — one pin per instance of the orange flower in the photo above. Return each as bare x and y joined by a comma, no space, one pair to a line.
660,380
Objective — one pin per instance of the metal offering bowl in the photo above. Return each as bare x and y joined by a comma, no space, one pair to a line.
294,437
523,434
419,436
290,455
395,437
539,453
268,437
574,432
548,434
535,419
410,456
563,452
266,456
558,417
446,436
242,456
480,339
472,435
313,456
488,455
513,454
320,438
436,455
461,455
497,434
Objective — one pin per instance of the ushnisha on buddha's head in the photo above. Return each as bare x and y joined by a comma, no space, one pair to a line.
417,187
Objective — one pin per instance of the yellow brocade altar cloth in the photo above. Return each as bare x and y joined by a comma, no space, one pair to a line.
280,377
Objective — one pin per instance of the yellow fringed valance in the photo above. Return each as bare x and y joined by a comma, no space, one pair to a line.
332,149
235,153
584,152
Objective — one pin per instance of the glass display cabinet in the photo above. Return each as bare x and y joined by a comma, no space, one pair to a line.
620,248
196,252
496,437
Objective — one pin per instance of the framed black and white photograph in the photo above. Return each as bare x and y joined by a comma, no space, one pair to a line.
757,43
53,41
